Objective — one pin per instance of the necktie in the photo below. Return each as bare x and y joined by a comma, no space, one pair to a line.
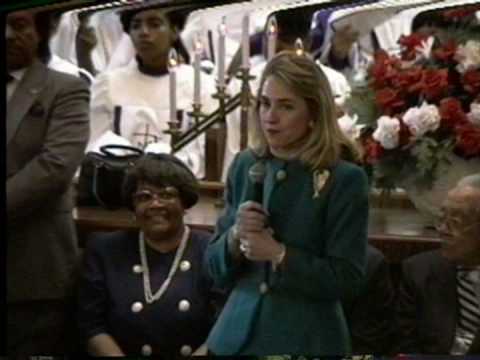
469,308
8,78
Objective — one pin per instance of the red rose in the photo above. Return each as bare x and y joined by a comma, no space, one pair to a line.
409,44
434,83
468,139
446,52
451,113
471,81
389,101
383,69
409,80
373,150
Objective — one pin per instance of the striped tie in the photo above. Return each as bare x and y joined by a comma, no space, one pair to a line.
469,314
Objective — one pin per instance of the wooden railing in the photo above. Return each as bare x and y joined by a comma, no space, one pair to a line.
398,231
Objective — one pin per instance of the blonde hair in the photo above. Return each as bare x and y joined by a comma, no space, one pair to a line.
326,143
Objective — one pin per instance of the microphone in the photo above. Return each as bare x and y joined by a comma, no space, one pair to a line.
256,174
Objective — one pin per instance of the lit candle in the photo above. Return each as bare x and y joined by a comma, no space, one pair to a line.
172,66
245,41
271,37
196,68
221,53
299,47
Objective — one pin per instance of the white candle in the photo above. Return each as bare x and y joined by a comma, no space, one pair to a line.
299,47
271,37
245,41
172,66
196,68
221,53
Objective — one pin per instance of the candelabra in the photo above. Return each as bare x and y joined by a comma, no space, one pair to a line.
216,120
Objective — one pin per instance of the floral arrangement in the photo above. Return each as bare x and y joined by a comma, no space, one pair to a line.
422,105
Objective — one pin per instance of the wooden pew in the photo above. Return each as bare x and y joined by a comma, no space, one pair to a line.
398,232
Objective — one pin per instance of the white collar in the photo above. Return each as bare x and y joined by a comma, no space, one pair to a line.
18,74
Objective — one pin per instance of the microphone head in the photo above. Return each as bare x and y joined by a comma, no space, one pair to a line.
257,172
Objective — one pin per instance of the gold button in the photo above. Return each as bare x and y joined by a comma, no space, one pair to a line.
184,305
137,307
185,265
186,350
281,175
146,350
263,288
137,269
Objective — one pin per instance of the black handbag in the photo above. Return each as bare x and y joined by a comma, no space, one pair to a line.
102,175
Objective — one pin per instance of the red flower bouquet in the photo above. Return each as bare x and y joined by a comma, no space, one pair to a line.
423,104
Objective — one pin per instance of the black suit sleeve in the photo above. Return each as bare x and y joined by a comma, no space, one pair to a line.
406,314
371,316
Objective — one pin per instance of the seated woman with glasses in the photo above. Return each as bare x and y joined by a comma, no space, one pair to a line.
146,292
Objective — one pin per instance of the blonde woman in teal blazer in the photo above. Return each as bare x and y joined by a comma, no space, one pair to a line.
293,254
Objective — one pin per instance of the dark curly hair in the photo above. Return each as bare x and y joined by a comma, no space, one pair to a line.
161,170
176,17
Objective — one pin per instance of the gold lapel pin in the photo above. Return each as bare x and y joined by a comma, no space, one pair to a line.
319,180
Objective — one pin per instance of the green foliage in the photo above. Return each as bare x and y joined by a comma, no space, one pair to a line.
362,103
429,154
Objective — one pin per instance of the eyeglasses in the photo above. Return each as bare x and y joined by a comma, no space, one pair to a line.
456,223
167,194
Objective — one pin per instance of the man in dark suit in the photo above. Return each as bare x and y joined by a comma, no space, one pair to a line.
47,131
432,317
370,315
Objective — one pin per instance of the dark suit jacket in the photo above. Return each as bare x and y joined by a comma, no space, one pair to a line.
108,287
47,131
370,316
427,307
325,235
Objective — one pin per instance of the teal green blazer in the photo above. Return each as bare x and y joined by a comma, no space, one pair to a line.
295,309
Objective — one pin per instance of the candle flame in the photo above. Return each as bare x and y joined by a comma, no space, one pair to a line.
222,28
172,59
198,44
272,26
299,47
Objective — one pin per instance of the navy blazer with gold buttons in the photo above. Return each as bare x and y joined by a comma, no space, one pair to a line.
296,309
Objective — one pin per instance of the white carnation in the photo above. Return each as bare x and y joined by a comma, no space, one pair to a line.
387,132
349,126
422,119
468,56
474,114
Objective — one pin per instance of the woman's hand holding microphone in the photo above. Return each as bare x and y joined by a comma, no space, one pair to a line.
252,236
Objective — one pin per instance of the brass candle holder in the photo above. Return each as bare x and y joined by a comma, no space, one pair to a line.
173,130
246,99
196,114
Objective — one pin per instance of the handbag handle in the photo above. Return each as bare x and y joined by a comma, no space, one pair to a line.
106,149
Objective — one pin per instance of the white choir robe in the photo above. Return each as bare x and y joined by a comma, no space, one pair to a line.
145,109
62,42
62,65
338,82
